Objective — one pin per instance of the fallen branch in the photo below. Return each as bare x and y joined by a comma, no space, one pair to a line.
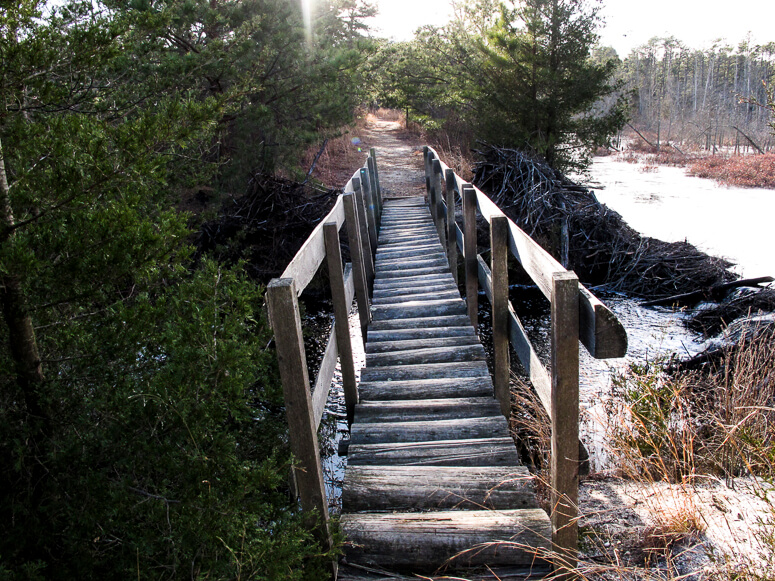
715,293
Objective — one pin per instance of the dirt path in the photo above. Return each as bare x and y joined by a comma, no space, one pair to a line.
399,158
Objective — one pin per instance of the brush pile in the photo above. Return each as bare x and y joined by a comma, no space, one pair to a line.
265,227
568,221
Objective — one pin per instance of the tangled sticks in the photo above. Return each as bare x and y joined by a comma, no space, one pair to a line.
587,236
266,226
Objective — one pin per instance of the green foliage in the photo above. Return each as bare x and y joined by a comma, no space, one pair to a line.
523,77
150,440
540,86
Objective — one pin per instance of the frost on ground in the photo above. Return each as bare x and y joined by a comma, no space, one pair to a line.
707,530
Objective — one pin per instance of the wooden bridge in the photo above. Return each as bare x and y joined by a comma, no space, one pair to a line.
433,479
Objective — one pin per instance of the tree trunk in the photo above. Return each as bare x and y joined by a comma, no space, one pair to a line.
21,337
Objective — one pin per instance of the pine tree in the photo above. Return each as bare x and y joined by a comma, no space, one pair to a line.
539,86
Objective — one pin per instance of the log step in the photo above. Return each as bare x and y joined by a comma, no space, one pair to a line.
438,487
375,346
456,370
425,541
476,452
408,295
418,309
421,323
423,410
459,353
429,431
433,388
377,336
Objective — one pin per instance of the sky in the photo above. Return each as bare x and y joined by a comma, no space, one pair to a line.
629,23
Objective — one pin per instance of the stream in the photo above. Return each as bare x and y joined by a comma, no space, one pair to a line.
661,202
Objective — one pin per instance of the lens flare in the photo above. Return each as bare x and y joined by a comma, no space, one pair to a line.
306,10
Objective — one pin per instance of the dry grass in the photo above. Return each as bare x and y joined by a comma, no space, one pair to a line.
675,439
748,171
343,153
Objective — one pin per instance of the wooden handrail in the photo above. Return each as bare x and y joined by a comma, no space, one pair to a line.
599,330
576,315
359,208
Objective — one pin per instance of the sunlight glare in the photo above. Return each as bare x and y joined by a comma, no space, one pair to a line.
306,9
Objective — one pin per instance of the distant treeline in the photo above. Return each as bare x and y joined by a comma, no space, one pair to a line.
703,98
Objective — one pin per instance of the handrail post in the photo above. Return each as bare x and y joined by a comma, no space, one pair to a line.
449,178
469,244
436,185
341,322
375,187
368,257
371,217
359,261
499,247
565,418
426,154
283,307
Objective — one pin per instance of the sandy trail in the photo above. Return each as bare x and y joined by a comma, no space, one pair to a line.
399,158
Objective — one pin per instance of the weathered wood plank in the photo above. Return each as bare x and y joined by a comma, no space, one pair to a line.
323,379
524,349
437,342
284,317
412,309
341,303
420,323
478,452
432,388
378,336
429,431
311,254
428,371
360,276
413,281
410,272
437,487
427,355
425,262
601,332
396,297
424,541
565,417
470,255
449,197
426,409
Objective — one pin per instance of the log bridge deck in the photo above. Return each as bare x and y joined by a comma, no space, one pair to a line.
433,481
433,476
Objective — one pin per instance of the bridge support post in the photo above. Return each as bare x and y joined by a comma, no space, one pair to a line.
368,257
359,261
371,211
375,189
437,186
565,419
341,321
426,157
449,179
499,267
469,251
285,320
